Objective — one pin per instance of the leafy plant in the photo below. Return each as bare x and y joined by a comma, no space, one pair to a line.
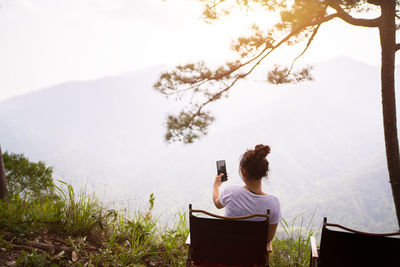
81,214
122,240
173,240
33,259
293,247
22,216
26,178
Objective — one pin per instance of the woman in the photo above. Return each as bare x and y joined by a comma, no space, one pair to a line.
249,199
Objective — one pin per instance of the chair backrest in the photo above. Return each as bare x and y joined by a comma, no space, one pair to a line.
228,240
355,248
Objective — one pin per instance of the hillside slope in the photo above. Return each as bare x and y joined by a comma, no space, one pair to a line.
326,138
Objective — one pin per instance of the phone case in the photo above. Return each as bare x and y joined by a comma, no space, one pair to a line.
221,168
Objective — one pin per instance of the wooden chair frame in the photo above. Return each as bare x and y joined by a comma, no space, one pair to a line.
215,218
314,257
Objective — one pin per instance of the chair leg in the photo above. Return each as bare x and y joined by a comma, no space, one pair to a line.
267,257
189,258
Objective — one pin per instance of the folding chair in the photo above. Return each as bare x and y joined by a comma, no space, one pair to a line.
227,241
354,248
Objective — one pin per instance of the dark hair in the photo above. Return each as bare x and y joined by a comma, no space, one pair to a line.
254,162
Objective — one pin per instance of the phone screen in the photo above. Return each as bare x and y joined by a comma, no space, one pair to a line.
221,168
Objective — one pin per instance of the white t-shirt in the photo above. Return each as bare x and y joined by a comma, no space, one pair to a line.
238,201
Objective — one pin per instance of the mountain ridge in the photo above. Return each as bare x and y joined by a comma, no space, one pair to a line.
109,133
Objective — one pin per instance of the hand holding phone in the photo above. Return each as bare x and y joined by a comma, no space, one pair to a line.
221,168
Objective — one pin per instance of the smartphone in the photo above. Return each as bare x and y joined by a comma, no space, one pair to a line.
221,168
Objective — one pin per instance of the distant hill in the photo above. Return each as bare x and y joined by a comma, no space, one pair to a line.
326,138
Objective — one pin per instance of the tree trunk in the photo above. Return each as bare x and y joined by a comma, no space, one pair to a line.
3,183
387,32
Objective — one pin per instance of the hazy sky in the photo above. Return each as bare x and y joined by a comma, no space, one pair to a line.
45,42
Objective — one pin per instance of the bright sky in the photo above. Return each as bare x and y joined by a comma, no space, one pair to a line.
45,42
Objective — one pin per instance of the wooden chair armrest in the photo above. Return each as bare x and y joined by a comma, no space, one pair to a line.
314,252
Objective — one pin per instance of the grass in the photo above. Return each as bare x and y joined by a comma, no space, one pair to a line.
293,247
97,236
80,232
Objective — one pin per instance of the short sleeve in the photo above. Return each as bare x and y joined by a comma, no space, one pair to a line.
225,196
276,215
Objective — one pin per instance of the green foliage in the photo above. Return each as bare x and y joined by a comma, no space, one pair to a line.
29,179
186,127
137,240
81,214
172,239
278,75
293,247
72,215
21,216
152,198
33,259
121,240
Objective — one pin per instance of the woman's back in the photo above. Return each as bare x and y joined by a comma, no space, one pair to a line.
249,199
239,201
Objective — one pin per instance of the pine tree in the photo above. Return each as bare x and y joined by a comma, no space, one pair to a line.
299,23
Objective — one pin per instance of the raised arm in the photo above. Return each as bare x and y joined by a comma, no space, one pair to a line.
217,184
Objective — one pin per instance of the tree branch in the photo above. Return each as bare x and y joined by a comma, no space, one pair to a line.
397,47
307,46
241,76
290,35
191,124
285,39
351,20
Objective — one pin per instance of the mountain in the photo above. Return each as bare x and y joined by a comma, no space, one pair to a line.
326,138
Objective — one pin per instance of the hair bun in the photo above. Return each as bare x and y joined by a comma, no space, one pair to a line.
262,151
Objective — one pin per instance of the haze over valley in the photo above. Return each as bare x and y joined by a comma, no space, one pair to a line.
326,138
